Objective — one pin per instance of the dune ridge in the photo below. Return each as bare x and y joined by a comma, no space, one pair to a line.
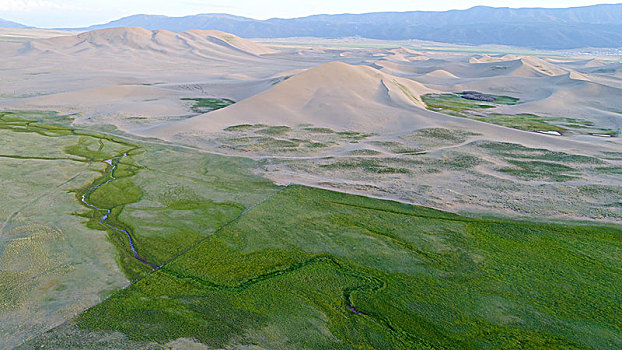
129,40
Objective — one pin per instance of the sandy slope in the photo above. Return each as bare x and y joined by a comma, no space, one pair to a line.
360,98
334,95
121,73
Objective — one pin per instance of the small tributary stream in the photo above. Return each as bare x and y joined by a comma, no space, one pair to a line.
113,165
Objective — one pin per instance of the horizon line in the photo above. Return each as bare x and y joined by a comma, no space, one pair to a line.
314,15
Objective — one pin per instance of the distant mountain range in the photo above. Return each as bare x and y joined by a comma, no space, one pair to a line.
568,28
9,24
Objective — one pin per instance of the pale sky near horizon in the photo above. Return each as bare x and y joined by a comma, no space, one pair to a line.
82,13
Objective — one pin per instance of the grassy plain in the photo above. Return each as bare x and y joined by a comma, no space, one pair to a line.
48,268
52,266
310,268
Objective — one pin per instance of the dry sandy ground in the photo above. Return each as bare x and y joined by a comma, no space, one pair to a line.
135,80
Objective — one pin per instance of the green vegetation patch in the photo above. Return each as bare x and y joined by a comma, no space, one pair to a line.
320,130
369,165
452,102
397,147
205,105
523,121
609,170
244,127
441,134
274,139
275,130
364,152
538,170
43,117
478,96
354,136
517,151
477,106
310,268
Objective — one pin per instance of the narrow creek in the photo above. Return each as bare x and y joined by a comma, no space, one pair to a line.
113,165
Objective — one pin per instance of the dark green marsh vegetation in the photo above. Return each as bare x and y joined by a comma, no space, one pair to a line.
205,105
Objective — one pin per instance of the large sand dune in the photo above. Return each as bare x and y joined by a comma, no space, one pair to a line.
353,98
125,41
334,95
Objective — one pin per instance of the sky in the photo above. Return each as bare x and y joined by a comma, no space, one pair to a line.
82,13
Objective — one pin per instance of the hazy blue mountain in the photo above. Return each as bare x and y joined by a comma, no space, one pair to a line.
9,24
590,26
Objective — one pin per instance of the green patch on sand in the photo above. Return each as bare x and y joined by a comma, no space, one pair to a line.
205,105
478,106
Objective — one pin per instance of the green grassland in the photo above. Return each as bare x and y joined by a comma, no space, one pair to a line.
47,268
310,268
453,102
458,105
51,264
247,264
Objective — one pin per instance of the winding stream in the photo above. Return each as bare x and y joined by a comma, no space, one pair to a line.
107,212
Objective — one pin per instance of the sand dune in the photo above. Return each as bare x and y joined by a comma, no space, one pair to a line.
585,100
483,59
495,58
18,35
102,62
334,95
359,98
126,41
123,73
537,66
476,68
439,73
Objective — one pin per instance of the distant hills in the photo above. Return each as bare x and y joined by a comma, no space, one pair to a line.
567,28
9,24
590,26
